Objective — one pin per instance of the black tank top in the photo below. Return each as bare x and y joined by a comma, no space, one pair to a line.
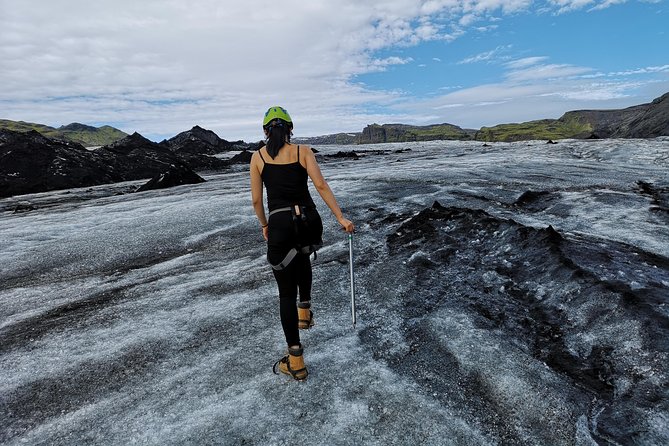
286,184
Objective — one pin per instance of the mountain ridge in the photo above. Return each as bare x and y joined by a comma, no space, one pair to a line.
86,135
32,162
648,120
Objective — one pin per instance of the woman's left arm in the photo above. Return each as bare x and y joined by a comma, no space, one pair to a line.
256,193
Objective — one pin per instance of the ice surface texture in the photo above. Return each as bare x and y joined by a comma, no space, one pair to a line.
528,306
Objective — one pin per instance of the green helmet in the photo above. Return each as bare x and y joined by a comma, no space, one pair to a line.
276,112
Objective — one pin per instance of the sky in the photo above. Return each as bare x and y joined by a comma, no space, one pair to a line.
160,67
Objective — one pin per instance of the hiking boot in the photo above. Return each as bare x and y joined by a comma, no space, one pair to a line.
305,317
292,364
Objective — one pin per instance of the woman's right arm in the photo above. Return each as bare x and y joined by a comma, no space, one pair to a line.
256,193
314,172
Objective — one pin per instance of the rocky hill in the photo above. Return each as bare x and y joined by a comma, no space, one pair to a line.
85,135
640,121
547,129
337,138
33,163
376,133
199,141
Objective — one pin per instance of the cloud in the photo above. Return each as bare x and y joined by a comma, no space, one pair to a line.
524,94
547,71
486,56
570,5
644,70
161,66
525,62
565,6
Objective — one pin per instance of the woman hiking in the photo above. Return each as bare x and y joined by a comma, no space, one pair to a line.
293,227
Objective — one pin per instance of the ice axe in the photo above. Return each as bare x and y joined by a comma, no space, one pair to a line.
350,263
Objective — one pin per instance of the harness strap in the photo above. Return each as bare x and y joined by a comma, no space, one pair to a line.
293,252
276,211
286,260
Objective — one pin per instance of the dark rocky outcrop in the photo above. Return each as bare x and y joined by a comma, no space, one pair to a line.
658,194
195,147
550,296
343,154
135,157
241,158
176,175
30,162
402,133
640,121
33,163
199,141
337,138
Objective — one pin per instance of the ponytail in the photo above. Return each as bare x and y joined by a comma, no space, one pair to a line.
278,134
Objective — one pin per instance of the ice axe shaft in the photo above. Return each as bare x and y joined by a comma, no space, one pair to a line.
350,263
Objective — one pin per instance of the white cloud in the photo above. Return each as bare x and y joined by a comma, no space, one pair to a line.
644,70
487,28
161,66
548,71
524,94
525,62
572,5
486,56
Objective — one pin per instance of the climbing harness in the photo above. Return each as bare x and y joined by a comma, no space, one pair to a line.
300,224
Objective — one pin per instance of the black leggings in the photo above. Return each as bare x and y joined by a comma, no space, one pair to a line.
297,275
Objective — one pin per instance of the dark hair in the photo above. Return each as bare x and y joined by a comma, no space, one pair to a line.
278,134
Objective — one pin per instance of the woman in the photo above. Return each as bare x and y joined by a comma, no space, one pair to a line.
293,227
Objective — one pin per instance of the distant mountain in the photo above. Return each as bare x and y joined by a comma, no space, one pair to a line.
376,133
337,138
546,129
195,147
32,162
199,141
640,121
85,135
91,136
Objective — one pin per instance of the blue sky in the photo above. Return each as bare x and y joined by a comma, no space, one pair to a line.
159,66
613,39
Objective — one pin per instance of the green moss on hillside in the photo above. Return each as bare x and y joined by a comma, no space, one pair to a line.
376,133
442,131
21,126
100,137
542,130
85,135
